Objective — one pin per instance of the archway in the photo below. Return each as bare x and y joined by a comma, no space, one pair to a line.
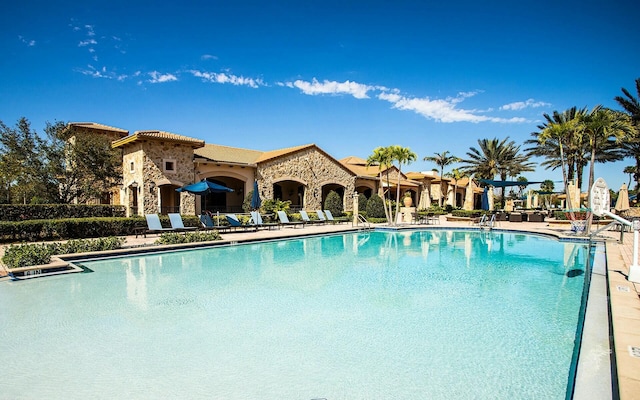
229,202
290,190
336,188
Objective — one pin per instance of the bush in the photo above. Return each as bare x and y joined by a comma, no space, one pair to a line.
70,228
25,255
362,202
22,212
333,203
189,237
375,207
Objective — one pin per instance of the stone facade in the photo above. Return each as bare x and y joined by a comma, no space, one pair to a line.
313,169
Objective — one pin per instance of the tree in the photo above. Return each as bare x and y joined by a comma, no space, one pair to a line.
547,185
333,203
21,168
631,170
375,207
631,146
383,158
403,155
83,166
442,160
496,157
603,129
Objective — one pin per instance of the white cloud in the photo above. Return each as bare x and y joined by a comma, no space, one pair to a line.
29,43
357,90
519,105
157,77
442,110
208,57
221,77
87,42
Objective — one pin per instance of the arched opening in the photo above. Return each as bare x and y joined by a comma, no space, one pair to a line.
292,191
133,198
367,191
169,199
229,202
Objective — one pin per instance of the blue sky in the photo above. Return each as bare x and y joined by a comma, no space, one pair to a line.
346,75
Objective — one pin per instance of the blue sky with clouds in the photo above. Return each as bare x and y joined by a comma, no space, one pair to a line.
346,75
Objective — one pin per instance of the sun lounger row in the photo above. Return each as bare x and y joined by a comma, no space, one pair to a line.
177,225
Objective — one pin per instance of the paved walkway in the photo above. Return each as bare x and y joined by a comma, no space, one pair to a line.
624,295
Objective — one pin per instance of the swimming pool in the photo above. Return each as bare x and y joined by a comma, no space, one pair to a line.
419,314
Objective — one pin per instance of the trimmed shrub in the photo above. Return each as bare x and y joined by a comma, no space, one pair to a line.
189,237
25,255
362,202
375,207
333,203
25,212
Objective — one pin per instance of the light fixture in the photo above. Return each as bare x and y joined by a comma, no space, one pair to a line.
152,186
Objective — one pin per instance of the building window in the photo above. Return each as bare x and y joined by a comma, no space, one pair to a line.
169,166
132,167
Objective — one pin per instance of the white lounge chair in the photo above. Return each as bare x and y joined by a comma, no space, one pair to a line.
284,220
178,225
154,225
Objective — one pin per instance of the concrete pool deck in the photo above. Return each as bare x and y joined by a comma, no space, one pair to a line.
624,300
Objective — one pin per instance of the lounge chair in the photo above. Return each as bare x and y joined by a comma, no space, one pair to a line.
284,220
178,225
321,216
256,219
235,223
154,225
305,218
207,223
334,220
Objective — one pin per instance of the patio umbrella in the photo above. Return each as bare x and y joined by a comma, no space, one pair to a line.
485,199
256,202
622,204
204,187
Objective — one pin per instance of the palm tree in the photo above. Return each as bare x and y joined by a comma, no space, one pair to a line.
442,160
631,147
631,170
561,129
496,157
604,129
383,158
403,155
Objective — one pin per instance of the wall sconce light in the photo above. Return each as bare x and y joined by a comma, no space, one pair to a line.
152,186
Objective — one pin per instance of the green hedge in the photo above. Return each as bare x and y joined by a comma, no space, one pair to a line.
24,255
189,237
25,212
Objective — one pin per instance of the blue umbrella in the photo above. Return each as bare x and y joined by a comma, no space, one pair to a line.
485,199
204,187
256,202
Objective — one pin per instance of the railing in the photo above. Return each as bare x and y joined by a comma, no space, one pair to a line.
362,220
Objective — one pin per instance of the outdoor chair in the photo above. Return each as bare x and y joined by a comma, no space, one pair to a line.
305,218
207,223
235,223
515,217
321,216
177,223
334,220
154,225
256,220
284,220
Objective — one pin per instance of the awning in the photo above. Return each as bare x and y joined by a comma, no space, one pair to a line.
507,183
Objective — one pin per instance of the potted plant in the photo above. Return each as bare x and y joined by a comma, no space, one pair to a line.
408,201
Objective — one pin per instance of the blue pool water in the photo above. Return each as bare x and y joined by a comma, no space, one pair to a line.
381,315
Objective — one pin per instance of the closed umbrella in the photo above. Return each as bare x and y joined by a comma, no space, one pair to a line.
204,187
256,202
622,204
485,199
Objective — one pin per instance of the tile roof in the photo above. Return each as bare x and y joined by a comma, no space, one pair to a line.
160,136
94,125
353,160
235,155
269,155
